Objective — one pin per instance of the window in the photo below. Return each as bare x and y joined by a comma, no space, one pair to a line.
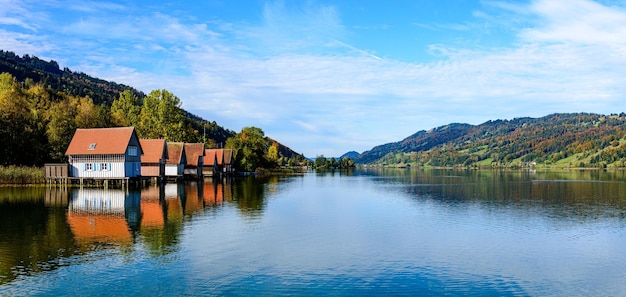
105,166
88,167
132,151
92,146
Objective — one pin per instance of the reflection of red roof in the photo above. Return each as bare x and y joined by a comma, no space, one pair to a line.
90,228
175,152
152,214
100,141
153,150
193,203
193,151
213,194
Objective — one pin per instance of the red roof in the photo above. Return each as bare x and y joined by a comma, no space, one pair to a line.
193,151
175,152
214,154
209,158
101,141
228,156
153,150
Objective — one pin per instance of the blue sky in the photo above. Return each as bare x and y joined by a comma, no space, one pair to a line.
326,77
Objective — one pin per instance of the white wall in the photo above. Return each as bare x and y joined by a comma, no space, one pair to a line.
115,170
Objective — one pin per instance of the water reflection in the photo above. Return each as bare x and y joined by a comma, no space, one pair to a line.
34,234
363,232
564,195
99,216
42,226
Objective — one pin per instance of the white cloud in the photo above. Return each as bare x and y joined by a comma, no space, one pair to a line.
359,95
577,21
296,75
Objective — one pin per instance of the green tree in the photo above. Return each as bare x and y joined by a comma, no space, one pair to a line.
89,115
162,117
125,110
320,162
250,147
273,156
15,122
332,162
61,127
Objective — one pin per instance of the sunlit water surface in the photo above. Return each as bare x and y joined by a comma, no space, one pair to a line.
363,232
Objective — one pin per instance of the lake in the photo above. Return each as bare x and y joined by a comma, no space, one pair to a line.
351,233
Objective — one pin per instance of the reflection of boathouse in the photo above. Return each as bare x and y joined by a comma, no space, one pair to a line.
103,215
152,212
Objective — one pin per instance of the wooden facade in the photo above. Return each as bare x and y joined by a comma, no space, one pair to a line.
213,159
195,159
229,162
56,173
175,163
218,162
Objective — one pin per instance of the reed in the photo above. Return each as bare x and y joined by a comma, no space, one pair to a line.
21,175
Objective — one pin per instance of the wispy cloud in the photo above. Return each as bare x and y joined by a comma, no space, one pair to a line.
577,21
295,72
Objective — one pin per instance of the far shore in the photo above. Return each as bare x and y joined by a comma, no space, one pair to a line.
34,176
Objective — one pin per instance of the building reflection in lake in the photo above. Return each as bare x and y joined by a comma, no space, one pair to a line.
41,226
104,215
193,198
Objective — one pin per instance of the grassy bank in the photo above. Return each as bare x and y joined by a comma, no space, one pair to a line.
21,175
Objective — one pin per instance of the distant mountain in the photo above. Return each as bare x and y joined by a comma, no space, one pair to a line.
420,141
567,140
351,154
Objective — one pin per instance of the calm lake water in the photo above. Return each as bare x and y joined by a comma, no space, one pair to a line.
357,233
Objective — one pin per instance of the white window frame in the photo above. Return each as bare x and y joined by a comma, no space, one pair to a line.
89,166
132,151
105,167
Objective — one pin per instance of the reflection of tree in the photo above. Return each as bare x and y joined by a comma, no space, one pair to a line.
32,234
576,194
163,241
161,225
249,194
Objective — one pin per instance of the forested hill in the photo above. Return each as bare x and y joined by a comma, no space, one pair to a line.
561,140
41,106
47,73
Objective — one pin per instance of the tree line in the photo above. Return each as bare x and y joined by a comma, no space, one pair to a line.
30,69
322,162
37,124
568,140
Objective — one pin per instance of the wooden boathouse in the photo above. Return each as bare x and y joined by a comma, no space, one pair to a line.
104,155
153,159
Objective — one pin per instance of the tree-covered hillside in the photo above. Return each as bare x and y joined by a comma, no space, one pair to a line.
564,140
32,70
41,106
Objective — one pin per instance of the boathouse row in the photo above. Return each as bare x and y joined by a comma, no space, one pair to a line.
118,154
